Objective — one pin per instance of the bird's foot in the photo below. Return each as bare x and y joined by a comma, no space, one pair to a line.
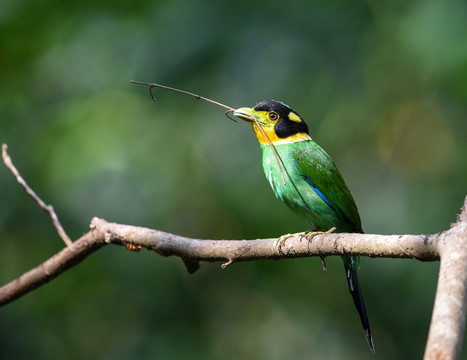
281,241
309,235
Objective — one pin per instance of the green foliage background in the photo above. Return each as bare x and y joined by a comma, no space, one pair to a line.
383,87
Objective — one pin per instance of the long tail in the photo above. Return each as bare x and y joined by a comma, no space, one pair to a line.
350,264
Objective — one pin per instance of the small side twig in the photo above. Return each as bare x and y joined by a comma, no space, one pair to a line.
47,208
323,262
224,265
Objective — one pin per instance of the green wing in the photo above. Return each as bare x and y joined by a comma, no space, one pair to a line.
322,175
319,171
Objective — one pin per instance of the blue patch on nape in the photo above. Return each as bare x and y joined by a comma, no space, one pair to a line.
318,192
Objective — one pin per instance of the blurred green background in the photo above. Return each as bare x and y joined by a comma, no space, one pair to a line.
383,88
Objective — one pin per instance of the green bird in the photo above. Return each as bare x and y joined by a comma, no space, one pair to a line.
307,181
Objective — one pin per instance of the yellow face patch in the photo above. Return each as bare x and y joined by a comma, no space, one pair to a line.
267,123
294,117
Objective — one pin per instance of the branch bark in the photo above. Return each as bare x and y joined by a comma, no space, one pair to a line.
448,318
421,247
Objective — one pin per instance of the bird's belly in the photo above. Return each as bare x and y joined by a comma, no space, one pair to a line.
299,196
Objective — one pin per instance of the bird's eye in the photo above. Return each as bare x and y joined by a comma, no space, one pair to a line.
273,116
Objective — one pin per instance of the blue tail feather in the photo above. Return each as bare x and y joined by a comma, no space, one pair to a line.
356,292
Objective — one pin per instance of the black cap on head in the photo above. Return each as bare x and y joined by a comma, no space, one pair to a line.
288,124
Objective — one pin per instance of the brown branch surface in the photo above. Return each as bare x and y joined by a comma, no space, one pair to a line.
448,318
421,247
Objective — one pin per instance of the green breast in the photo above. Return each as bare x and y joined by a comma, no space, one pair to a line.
314,188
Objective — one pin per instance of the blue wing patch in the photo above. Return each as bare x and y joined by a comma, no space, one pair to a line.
336,209
307,179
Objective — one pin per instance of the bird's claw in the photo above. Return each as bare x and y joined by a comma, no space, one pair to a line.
309,235
281,241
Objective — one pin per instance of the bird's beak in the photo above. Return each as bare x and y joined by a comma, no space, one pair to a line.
245,114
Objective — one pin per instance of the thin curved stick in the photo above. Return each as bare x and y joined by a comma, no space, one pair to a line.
273,150
199,97
231,118
229,109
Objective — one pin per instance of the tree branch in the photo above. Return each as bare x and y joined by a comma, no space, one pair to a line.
421,247
448,318
447,323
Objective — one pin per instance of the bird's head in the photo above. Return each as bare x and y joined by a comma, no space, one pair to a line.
280,123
